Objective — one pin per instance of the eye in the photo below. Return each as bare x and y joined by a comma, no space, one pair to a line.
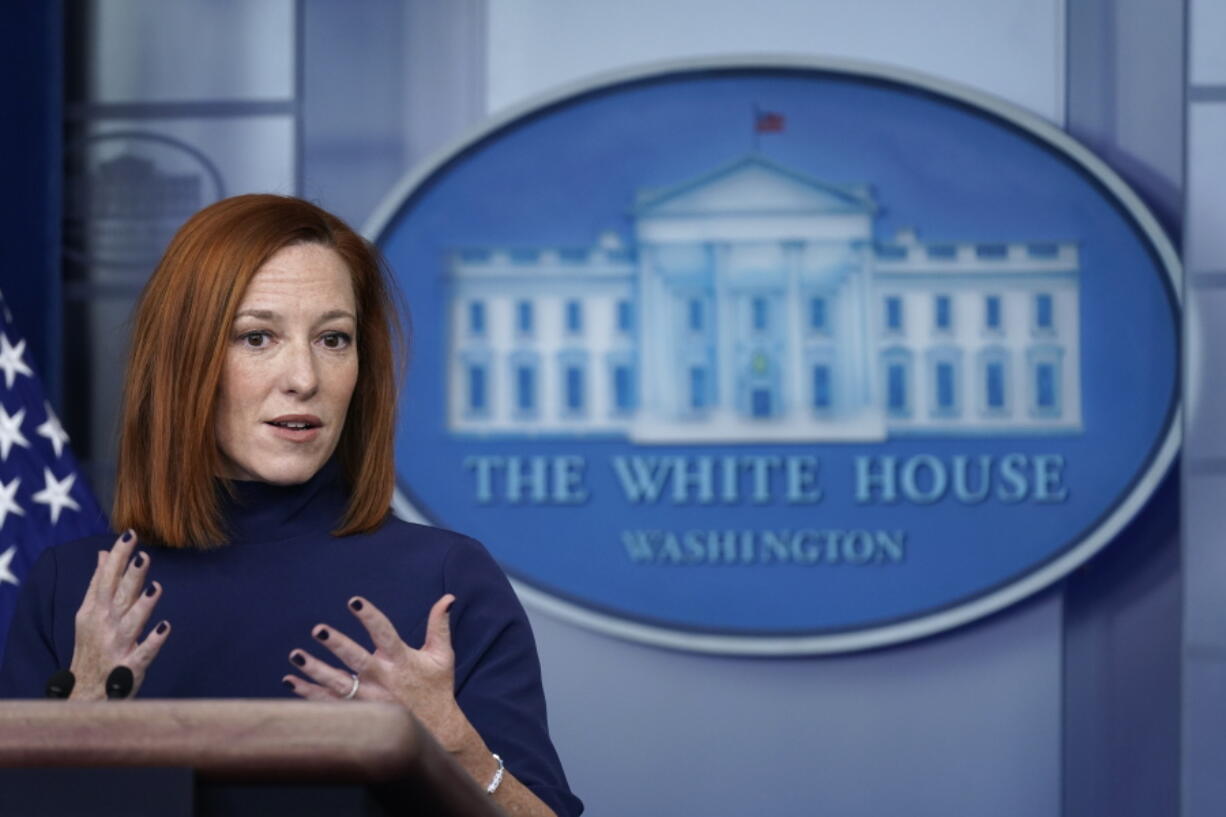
336,340
254,340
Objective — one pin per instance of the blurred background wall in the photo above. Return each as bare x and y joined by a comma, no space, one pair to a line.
131,114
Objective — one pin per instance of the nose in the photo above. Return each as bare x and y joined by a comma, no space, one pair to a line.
299,375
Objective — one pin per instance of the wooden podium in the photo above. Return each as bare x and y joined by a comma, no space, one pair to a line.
232,757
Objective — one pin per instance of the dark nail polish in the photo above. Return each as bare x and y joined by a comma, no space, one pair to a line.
450,604
299,659
151,590
356,604
162,628
321,634
288,683
139,561
127,535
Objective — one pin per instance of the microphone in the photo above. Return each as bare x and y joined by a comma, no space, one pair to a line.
60,684
119,683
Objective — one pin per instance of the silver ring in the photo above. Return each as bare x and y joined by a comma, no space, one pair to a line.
353,690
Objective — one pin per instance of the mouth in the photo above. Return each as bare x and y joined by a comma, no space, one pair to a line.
296,427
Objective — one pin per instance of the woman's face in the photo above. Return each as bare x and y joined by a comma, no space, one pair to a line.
291,365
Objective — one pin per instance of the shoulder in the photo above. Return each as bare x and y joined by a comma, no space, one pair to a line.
463,565
86,547
67,559
426,536
450,550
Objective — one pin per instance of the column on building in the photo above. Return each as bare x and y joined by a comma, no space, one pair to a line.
794,403
725,323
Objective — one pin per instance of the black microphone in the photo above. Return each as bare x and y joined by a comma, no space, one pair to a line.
60,684
119,683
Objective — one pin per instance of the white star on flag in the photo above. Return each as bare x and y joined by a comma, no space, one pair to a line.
11,362
53,431
55,494
10,431
6,570
7,503
72,511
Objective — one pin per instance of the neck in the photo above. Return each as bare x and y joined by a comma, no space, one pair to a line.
262,512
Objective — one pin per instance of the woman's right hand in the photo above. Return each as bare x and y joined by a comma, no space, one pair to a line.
112,616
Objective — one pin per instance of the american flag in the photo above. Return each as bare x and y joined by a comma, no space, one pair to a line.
44,499
767,122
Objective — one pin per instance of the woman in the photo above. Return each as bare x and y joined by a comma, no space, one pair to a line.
255,477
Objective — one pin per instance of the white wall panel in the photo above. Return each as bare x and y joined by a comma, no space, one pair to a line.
1205,387
220,49
1207,33
1205,619
1205,229
1013,49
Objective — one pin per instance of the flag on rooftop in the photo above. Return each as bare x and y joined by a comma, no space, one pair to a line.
768,122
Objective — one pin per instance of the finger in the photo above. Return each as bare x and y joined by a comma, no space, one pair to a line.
438,626
382,631
116,561
134,621
95,579
351,653
132,582
305,689
144,653
326,675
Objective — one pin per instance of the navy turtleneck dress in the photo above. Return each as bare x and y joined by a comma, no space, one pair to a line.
238,610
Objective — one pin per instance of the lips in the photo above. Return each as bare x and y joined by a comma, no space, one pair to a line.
296,421
295,427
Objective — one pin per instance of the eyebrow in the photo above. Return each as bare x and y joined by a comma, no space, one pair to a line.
269,315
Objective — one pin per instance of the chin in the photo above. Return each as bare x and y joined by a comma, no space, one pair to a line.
294,473
275,470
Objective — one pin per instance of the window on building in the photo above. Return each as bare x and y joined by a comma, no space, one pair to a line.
893,313
574,317
477,398
698,388
476,317
1045,386
1044,376
1043,317
523,317
625,316
817,314
994,385
821,387
991,312
943,313
896,387
761,402
623,387
944,366
574,389
760,308
525,388
897,384
696,315
946,391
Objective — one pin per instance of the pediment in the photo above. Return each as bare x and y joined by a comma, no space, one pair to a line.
753,185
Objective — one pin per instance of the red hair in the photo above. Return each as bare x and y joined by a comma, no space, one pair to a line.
168,454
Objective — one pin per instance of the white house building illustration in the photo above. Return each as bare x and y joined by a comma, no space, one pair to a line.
754,305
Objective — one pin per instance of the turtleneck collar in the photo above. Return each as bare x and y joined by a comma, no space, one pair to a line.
262,512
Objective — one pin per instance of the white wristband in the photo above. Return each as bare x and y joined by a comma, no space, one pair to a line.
497,779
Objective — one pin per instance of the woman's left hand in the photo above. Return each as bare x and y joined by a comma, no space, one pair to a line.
422,680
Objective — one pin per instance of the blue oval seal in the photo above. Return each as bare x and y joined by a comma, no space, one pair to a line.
768,357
